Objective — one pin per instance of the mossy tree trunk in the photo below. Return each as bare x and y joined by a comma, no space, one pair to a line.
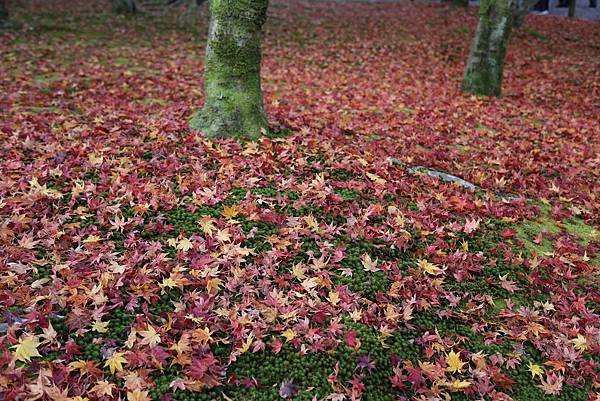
3,13
572,5
124,6
485,65
233,96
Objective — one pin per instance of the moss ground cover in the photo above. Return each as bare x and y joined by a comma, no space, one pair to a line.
140,260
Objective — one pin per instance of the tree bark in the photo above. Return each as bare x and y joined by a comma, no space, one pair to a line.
233,96
460,3
124,6
572,4
485,65
3,13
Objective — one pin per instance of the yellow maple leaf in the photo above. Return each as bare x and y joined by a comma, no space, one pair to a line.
115,362
26,349
103,388
184,244
580,343
203,336
92,239
334,297
150,337
457,384
167,283
138,395
455,364
428,267
207,225
81,365
223,236
312,223
375,178
298,271
229,212
213,285
536,370
95,160
100,326
246,344
369,265
289,334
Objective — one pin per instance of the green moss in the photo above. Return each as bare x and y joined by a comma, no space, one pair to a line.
526,388
310,371
121,61
536,34
583,232
165,303
342,175
186,221
347,195
528,231
262,230
149,100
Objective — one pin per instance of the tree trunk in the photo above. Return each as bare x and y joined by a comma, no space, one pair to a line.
460,3
485,65
233,97
124,6
572,4
3,13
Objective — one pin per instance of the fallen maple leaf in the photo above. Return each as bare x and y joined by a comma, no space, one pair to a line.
552,385
150,337
457,384
102,388
26,349
288,389
100,327
536,370
229,212
428,267
115,362
580,343
184,244
289,334
369,264
138,395
207,224
507,284
471,225
455,364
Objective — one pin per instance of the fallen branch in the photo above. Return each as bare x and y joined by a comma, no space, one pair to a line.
448,177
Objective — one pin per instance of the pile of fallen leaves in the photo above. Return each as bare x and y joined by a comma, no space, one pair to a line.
139,260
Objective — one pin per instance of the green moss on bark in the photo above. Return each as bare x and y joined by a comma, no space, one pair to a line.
124,6
3,13
234,101
460,3
485,66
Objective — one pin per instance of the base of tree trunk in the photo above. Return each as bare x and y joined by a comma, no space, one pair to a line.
124,6
233,117
572,6
9,24
460,3
3,14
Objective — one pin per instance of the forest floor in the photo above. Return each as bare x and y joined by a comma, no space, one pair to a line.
140,260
